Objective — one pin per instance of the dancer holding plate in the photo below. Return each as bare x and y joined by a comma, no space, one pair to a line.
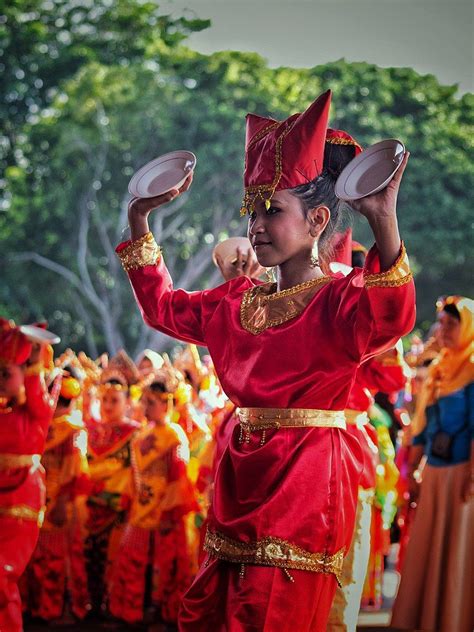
286,354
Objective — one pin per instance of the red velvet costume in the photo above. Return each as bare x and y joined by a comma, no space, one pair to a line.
23,431
309,361
286,487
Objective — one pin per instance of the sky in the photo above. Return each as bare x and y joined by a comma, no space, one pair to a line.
430,36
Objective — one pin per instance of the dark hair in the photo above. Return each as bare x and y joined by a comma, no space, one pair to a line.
158,387
320,191
64,401
452,310
358,259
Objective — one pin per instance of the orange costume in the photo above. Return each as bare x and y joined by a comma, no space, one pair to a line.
155,533
23,431
285,493
110,472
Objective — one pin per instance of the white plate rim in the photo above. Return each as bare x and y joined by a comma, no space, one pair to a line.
355,162
50,338
138,175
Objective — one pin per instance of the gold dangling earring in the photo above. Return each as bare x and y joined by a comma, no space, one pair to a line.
270,274
314,259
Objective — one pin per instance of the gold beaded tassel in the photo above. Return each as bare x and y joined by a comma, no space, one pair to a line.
263,437
290,577
242,571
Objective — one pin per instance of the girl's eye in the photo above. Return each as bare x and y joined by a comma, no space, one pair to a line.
252,215
272,210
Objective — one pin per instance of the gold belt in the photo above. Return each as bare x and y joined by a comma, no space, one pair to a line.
12,461
356,417
254,419
23,512
366,495
270,551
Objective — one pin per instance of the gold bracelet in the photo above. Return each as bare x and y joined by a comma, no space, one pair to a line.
140,253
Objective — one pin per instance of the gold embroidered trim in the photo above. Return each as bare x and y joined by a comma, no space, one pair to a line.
34,369
263,132
270,551
366,495
264,294
140,253
12,461
399,274
252,419
356,417
23,512
343,141
258,190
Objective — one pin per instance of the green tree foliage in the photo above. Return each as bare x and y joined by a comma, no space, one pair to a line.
44,42
69,190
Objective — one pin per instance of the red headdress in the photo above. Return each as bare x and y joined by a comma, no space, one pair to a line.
340,137
284,154
15,348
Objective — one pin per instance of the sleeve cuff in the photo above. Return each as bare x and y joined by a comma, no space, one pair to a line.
139,253
34,369
398,274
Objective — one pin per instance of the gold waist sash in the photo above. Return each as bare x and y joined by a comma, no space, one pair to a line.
270,551
254,419
12,461
23,512
356,417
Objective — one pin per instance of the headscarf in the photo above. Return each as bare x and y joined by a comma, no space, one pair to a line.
453,368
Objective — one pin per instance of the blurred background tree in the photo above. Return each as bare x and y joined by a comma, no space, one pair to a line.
115,101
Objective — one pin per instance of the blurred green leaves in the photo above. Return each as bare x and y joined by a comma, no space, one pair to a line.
115,86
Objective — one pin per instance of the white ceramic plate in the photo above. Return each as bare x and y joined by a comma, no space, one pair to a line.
36,334
227,249
371,170
162,174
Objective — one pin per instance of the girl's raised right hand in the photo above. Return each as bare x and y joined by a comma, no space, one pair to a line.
142,207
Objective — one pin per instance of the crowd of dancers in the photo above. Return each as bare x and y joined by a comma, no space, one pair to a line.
130,454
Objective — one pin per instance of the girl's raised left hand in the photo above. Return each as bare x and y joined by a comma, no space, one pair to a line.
383,203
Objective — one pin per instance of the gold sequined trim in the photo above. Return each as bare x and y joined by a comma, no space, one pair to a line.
12,461
258,190
356,417
139,253
399,274
263,132
343,141
23,512
366,495
34,369
270,551
262,296
254,419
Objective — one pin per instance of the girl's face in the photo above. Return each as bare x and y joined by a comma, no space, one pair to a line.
283,232
12,380
145,366
449,330
113,405
155,405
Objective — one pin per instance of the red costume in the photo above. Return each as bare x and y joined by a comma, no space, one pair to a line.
286,487
23,431
58,564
